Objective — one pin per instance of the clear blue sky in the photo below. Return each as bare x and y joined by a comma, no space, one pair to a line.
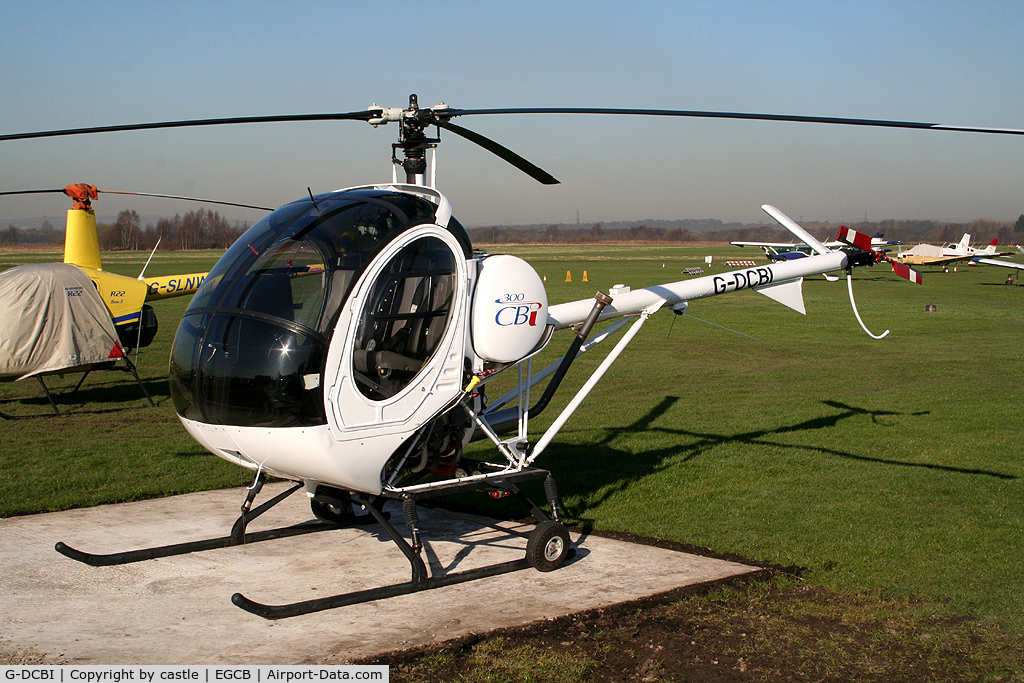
82,64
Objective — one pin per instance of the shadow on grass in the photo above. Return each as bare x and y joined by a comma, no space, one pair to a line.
599,470
97,394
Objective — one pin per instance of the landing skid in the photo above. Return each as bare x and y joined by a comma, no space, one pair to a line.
237,536
547,547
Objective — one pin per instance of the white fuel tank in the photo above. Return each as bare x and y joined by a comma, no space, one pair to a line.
510,309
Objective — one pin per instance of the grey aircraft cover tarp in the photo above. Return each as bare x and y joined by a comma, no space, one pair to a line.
52,318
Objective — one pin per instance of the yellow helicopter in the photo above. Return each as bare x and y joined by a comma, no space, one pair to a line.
126,298
75,316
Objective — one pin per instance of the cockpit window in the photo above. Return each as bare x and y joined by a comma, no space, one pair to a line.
240,254
405,318
287,282
254,339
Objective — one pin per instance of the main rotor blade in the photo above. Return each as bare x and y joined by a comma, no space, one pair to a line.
737,115
187,199
508,155
144,194
368,114
59,189
364,115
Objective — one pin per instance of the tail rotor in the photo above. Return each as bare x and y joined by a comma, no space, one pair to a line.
862,242
863,253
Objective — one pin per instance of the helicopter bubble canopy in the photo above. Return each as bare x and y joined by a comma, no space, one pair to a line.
252,346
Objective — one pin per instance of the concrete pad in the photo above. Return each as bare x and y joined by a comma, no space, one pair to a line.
177,610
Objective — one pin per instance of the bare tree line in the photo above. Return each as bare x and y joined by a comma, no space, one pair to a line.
907,231
200,229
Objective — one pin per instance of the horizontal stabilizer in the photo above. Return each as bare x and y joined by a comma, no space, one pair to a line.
789,294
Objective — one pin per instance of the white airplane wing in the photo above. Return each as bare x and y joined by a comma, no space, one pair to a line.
1005,264
773,245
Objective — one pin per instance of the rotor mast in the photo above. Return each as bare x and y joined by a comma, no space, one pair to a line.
412,140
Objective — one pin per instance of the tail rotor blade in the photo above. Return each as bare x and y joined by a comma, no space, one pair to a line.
905,271
854,238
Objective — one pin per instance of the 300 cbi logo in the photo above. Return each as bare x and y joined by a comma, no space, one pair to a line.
516,310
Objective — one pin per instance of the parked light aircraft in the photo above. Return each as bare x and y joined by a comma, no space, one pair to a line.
346,342
126,297
932,255
788,251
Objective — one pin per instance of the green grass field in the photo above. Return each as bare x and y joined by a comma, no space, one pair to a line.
891,466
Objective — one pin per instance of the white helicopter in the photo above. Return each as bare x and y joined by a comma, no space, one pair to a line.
347,340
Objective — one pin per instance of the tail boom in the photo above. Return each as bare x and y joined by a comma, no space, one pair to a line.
652,298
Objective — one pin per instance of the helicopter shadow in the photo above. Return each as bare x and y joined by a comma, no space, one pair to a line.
595,472
476,540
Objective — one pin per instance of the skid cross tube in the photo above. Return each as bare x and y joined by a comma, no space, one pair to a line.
420,579
237,537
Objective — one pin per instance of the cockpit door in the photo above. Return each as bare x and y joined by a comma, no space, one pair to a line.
396,355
